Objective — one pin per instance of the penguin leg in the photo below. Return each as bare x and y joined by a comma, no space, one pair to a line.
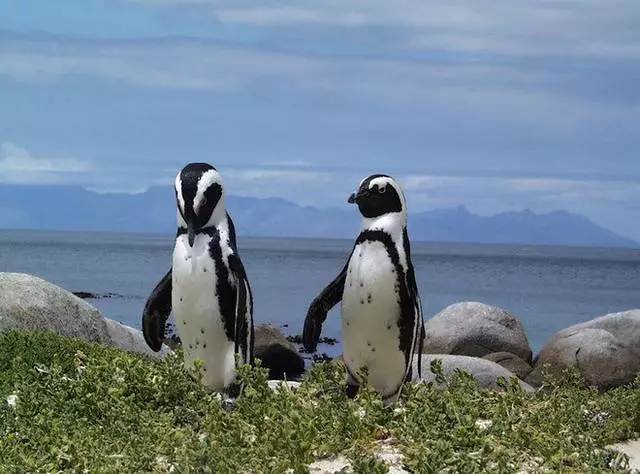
230,396
409,375
392,398
352,386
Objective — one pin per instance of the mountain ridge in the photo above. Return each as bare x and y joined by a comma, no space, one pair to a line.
73,208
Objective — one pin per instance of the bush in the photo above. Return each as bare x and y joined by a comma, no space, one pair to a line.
72,405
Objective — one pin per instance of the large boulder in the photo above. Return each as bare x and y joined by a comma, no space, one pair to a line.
511,362
475,329
485,372
29,303
277,354
606,351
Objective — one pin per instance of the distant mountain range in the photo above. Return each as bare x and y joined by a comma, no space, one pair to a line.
75,208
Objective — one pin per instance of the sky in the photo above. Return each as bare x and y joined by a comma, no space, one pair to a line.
493,104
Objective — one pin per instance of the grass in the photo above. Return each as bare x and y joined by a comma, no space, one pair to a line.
85,407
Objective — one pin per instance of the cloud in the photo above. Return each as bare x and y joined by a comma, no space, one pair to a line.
436,92
290,164
589,28
18,166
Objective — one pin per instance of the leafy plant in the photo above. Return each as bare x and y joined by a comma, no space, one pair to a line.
68,405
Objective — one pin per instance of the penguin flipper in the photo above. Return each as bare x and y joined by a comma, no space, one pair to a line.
413,291
156,311
242,311
318,309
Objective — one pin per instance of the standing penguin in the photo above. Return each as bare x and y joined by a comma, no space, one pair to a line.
381,310
207,286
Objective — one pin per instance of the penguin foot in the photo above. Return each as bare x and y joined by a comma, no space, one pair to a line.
352,391
229,404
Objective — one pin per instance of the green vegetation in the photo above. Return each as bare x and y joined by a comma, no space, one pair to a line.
84,406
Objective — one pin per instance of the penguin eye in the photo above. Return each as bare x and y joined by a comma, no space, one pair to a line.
382,189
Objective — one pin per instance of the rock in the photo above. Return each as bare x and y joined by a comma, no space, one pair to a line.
283,385
385,451
511,362
475,329
485,372
130,339
605,350
632,449
277,354
31,304
86,295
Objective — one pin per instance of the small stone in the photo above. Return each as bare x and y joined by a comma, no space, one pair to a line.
202,331
204,346
484,424
11,400
388,327
361,301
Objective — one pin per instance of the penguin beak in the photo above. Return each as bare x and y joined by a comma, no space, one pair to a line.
191,232
357,197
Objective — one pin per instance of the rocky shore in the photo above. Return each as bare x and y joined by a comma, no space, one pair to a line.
485,341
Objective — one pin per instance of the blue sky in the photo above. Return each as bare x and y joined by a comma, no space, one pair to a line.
493,104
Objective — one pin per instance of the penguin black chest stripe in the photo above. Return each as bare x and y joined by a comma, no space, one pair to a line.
406,320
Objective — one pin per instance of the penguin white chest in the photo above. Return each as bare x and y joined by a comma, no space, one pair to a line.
196,311
370,314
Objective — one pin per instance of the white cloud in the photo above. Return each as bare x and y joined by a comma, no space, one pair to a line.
18,166
297,185
430,90
290,163
529,27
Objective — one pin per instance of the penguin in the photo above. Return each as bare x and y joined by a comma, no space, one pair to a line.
382,322
206,287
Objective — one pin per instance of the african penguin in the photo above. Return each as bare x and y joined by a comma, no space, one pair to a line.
207,287
381,310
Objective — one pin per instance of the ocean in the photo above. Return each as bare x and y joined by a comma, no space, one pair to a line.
548,288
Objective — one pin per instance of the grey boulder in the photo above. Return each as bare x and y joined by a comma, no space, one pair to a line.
277,354
606,351
485,372
475,329
29,303
511,362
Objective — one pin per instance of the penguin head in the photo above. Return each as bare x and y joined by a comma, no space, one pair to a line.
377,195
200,197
